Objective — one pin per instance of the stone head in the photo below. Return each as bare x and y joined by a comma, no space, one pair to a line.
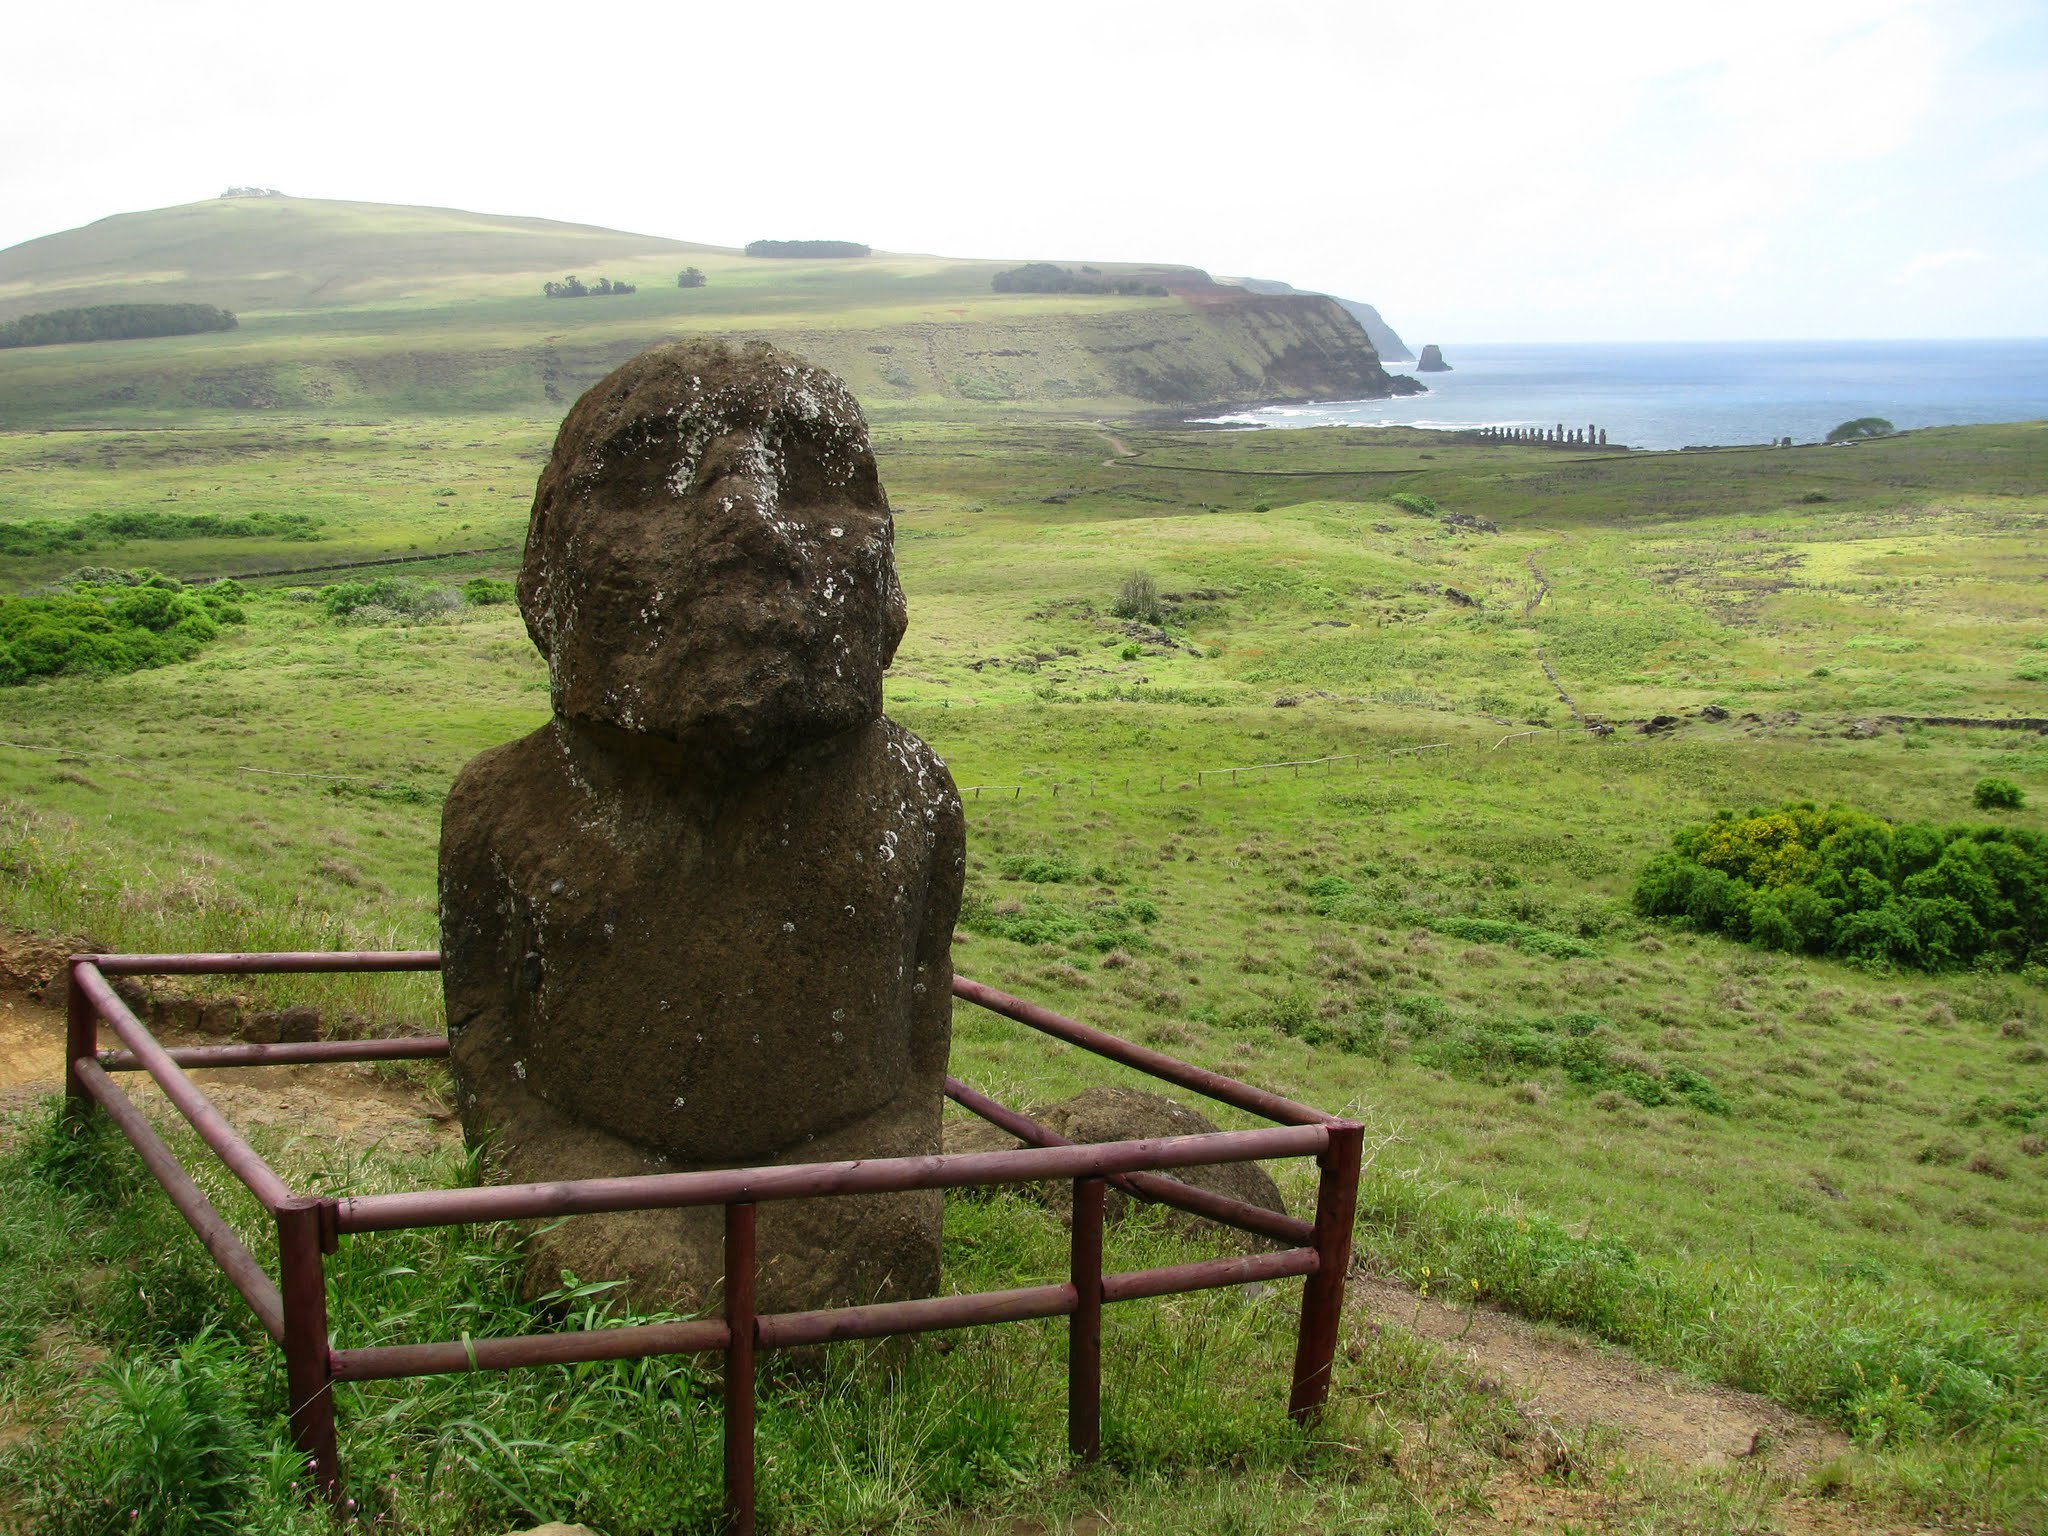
710,560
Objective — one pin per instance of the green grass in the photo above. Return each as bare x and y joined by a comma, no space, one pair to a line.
910,1439
1768,1169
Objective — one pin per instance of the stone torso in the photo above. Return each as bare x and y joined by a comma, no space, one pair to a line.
755,971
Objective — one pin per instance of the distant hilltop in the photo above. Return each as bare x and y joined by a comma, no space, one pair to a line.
380,306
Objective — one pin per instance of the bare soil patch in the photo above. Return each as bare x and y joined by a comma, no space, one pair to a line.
1580,1385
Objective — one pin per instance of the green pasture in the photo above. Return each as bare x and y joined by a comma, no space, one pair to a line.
1821,1182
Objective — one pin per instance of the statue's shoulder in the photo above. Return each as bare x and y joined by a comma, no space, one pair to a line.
912,761
505,780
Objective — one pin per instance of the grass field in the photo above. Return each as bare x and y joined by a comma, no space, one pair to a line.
1833,1190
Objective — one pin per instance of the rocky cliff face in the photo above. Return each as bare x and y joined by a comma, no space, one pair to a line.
1432,360
1385,340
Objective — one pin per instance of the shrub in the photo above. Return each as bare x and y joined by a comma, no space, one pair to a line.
111,623
1841,882
46,536
1138,598
483,591
1862,426
691,277
1998,795
1408,501
388,600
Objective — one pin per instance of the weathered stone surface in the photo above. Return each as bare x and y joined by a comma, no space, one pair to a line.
702,917
1126,1114
1432,360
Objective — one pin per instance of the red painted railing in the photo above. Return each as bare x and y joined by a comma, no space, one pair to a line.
293,1308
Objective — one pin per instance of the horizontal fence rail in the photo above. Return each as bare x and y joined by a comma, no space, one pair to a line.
293,1308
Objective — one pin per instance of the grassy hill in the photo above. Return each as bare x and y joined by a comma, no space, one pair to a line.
365,309
267,254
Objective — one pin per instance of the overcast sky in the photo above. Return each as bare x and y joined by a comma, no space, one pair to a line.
1482,172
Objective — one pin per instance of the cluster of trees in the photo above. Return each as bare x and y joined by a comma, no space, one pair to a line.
573,287
47,536
1861,427
807,248
1045,277
252,192
1845,883
690,277
113,322
106,622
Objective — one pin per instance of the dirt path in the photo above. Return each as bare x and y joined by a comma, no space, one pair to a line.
1119,449
322,1103
1580,1385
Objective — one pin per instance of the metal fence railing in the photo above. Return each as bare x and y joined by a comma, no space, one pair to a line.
293,1307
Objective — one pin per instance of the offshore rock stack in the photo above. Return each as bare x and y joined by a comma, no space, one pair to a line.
1559,436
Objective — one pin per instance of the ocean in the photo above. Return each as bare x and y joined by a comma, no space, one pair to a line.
1703,394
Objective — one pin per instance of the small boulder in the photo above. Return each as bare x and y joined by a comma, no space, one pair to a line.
283,1026
1126,1114
1714,713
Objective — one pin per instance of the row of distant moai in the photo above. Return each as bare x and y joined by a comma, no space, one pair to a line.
1587,436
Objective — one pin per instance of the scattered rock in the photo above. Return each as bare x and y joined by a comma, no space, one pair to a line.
1714,712
1125,1114
1462,599
35,964
287,1026
1658,725
1861,730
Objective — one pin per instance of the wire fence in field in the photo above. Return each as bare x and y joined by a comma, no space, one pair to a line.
1098,785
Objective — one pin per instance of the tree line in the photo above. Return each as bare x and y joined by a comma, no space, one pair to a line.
807,248
1045,277
113,322
573,287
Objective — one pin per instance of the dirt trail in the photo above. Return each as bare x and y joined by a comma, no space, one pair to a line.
330,1102
1117,446
1578,1385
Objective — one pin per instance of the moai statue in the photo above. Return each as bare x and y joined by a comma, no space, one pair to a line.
1603,437
1589,433
702,918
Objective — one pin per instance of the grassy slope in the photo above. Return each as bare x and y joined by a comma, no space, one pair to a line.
355,311
1855,1169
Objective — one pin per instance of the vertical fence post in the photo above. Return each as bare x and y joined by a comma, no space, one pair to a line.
309,1377
81,1039
739,1369
1322,1298
1084,1328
